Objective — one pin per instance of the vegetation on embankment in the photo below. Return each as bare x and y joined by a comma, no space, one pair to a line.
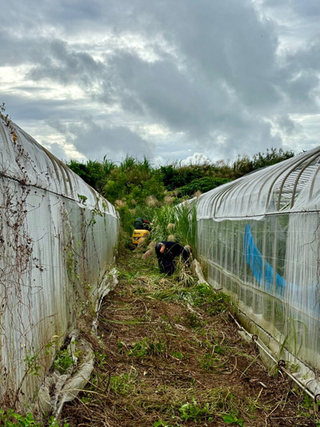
133,180
138,189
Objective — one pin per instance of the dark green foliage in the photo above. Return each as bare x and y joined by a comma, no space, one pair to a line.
108,166
133,181
244,165
154,186
80,169
92,173
201,184
138,189
116,186
175,176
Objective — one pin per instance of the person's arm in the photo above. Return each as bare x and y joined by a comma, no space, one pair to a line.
185,254
173,248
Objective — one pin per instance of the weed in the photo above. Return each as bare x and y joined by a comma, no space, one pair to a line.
178,355
145,348
308,402
192,411
219,350
32,363
10,418
207,361
194,320
63,361
82,198
232,419
100,358
205,295
122,384
251,363
161,372
295,327
140,290
185,219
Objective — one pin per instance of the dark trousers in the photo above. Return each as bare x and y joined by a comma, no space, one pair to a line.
165,261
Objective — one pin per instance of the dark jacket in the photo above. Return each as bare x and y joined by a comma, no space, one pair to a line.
166,259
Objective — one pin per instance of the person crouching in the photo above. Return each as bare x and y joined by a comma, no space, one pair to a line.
167,252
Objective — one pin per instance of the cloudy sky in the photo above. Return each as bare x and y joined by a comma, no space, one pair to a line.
172,80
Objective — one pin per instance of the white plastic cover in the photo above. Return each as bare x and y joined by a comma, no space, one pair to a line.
260,238
57,240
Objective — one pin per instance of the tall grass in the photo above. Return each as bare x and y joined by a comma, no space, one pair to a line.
184,218
186,225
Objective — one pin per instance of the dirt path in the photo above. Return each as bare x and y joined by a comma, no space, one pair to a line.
169,354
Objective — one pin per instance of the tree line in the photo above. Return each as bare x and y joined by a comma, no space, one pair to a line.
136,188
133,180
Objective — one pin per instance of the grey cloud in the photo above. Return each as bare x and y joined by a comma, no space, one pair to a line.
59,152
95,141
287,125
303,82
301,90
303,9
252,135
216,84
164,92
306,58
57,62
224,41
192,106
14,50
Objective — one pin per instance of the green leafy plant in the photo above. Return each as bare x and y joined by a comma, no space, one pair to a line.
215,302
207,361
82,198
63,361
32,363
191,411
145,347
178,355
232,419
10,418
201,184
122,384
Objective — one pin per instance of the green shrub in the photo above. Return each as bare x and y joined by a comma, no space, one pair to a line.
201,184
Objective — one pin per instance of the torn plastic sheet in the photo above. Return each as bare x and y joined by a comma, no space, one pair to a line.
58,389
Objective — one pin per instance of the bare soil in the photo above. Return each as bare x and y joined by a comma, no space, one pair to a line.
169,354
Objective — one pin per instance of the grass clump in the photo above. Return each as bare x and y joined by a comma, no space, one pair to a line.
146,347
123,384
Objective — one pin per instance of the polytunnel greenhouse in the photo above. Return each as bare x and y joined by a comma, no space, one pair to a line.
58,237
259,239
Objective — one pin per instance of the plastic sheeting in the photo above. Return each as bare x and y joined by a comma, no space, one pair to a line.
57,241
260,239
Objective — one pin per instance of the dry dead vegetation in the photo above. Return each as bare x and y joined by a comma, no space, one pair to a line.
169,354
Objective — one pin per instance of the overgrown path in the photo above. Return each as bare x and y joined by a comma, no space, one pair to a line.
169,354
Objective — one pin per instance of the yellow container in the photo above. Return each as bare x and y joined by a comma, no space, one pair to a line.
139,234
